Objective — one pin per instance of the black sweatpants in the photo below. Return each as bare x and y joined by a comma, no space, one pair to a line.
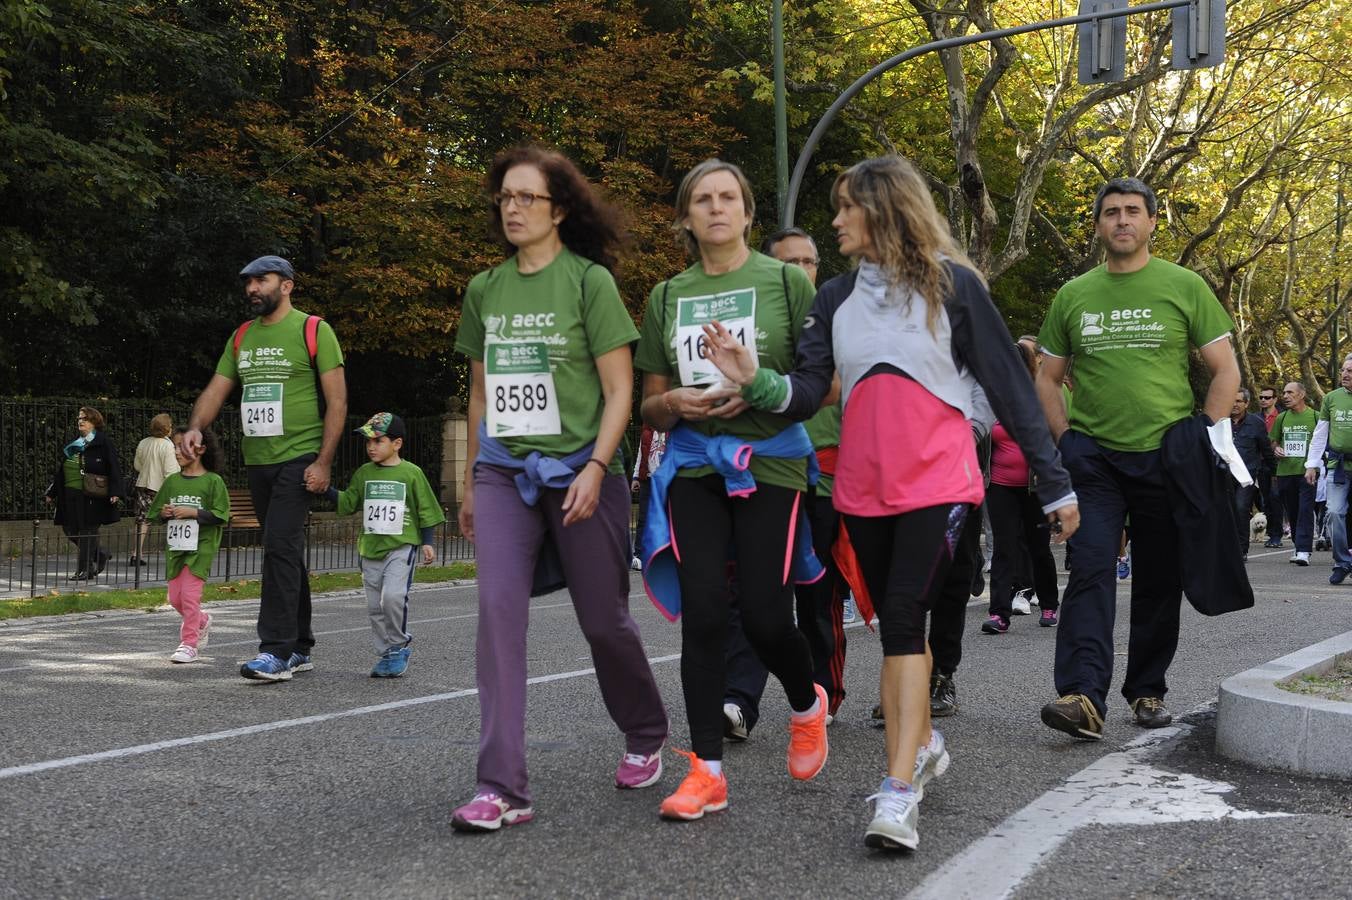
282,503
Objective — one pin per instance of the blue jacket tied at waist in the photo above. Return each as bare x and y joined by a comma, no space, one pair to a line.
730,457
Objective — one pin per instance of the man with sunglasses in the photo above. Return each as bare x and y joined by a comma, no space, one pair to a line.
1267,485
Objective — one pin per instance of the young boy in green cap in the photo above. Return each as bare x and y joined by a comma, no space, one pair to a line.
399,512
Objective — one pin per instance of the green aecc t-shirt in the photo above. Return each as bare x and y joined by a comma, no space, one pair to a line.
764,301
396,503
538,336
1337,411
200,492
1292,432
824,429
1129,334
279,395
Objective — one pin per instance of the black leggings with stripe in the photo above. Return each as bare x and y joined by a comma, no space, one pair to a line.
706,522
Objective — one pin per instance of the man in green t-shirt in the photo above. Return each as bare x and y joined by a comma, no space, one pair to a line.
1291,433
1128,326
1333,441
288,447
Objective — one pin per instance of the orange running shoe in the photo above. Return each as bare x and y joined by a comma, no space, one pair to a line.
702,791
807,741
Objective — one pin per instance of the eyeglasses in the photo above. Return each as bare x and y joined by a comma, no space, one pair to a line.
82,418
804,261
524,199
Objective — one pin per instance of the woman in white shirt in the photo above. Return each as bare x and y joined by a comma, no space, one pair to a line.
154,462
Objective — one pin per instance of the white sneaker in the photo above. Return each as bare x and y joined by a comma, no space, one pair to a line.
636,564
1301,559
184,654
204,634
931,761
734,725
896,815
1020,604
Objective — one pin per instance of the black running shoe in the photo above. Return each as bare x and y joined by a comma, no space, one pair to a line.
943,695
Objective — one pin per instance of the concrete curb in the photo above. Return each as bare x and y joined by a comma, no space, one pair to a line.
1257,722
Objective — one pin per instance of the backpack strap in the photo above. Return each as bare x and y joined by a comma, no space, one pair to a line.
239,335
311,337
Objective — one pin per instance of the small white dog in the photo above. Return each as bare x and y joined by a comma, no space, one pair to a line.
1257,526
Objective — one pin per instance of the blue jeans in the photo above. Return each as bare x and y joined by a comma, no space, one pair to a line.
1335,495
1298,501
1110,485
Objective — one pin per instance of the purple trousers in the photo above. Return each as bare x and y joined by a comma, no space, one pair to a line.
595,557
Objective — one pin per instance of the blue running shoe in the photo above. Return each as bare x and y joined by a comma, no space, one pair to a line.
398,662
266,667
1123,567
300,662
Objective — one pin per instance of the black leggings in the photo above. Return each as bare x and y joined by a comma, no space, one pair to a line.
706,523
1018,522
904,560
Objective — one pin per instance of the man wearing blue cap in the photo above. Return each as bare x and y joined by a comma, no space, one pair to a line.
288,447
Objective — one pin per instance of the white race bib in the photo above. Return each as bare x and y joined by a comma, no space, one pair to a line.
1294,447
260,410
182,534
522,399
383,507
735,309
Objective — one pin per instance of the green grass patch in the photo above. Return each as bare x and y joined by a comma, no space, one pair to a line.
55,603
1335,684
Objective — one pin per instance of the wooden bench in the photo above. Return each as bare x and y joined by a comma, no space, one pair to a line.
242,512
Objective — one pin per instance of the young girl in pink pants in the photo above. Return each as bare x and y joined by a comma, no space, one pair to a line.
194,504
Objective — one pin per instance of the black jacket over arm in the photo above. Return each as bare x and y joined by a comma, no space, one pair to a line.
100,458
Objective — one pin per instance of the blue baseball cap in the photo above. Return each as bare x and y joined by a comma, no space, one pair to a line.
265,264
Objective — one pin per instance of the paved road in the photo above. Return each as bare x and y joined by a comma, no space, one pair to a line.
121,776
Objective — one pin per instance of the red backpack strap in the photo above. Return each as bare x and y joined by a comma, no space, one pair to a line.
239,335
312,336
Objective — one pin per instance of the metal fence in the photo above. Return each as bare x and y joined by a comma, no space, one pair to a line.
47,560
33,431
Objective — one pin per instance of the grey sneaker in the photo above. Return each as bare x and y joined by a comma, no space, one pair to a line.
931,761
896,815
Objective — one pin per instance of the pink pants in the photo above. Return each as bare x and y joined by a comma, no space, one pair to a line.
185,595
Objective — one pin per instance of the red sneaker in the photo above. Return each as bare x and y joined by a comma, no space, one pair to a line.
807,741
702,791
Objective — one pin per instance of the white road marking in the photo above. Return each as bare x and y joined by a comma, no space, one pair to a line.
263,727
1117,789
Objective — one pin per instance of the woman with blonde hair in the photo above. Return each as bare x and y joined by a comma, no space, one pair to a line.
154,462
732,480
909,331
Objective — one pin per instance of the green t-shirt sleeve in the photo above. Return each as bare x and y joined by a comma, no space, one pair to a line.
219,500
226,364
604,317
1211,320
429,510
328,355
469,336
349,501
1325,409
801,295
160,497
1053,334
652,353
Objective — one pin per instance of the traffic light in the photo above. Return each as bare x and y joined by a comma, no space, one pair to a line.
1199,34
1103,43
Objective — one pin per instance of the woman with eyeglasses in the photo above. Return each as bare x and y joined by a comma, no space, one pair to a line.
908,331
85,488
732,480
546,500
